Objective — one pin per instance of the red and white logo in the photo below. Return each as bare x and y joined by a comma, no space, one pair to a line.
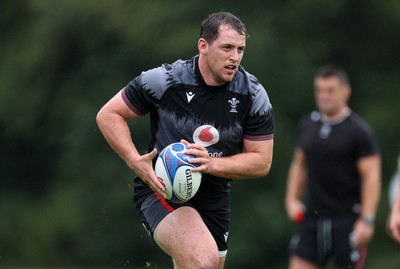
206,135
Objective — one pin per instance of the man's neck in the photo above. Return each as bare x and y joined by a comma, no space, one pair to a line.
337,117
204,72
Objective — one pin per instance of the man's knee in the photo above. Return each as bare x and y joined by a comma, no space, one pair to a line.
198,261
296,262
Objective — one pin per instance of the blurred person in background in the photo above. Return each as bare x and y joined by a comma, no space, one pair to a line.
394,199
336,166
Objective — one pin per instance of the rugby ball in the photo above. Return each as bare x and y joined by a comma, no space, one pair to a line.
175,173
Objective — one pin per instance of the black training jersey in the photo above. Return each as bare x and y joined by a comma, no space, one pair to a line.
332,151
182,106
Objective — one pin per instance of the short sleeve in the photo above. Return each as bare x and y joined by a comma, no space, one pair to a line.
143,93
260,122
366,142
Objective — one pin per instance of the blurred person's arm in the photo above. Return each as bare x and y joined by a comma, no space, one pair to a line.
297,178
394,221
370,171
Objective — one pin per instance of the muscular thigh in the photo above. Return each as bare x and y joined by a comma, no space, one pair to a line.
182,234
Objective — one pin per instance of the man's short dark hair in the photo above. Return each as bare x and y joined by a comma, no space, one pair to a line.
210,26
331,70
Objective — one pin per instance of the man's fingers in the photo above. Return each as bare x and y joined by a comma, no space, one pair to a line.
395,233
355,239
152,154
199,151
202,168
184,142
157,187
396,236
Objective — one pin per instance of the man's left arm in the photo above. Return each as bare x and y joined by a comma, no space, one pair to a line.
369,168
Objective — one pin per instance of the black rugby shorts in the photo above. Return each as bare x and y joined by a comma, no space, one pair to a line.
319,240
214,210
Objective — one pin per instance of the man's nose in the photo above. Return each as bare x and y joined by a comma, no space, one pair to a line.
234,56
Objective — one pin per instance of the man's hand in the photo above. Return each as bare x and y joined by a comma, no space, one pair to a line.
295,210
144,169
202,157
394,223
362,233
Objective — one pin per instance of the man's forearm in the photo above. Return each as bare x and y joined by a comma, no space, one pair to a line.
239,166
370,195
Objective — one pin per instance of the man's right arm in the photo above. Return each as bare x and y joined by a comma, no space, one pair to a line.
296,182
111,120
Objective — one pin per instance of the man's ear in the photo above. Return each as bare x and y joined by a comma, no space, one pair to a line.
202,45
348,92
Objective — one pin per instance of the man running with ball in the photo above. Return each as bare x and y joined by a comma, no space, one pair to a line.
224,115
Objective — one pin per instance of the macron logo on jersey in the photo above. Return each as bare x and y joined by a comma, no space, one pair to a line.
189,96
226,235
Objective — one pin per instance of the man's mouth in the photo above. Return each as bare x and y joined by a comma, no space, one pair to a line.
231,67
